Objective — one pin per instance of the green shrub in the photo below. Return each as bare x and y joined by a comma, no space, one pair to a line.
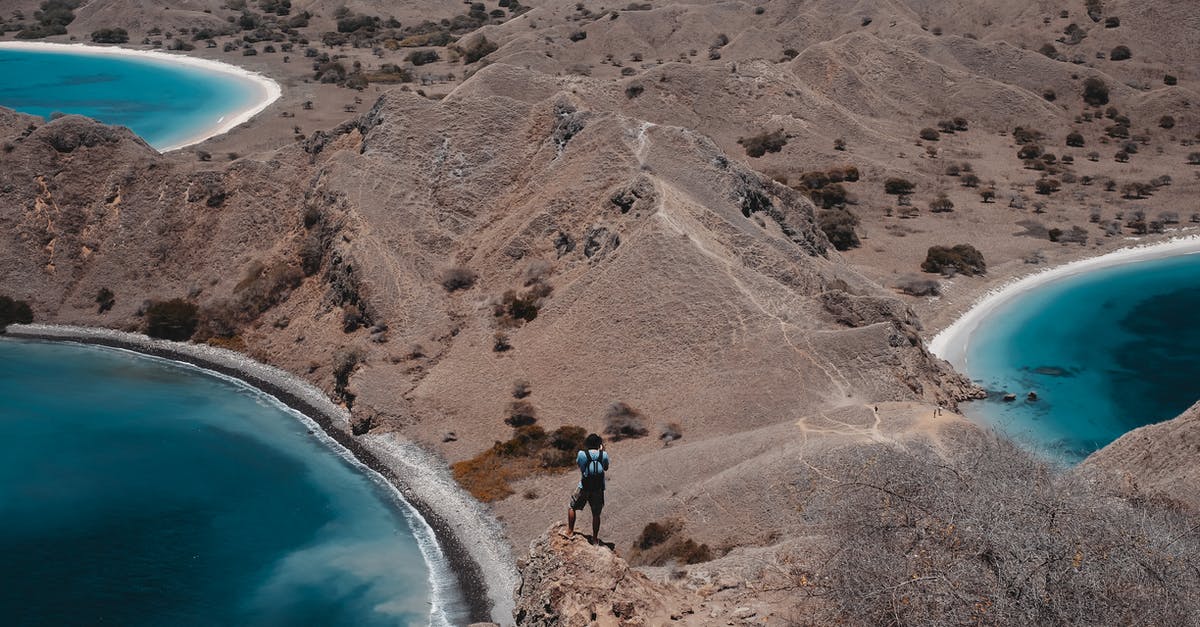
1120,53
962,258
173,319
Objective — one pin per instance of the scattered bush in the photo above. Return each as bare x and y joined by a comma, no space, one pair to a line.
1166,122
1029,151
568,438
992,537
344,362
457,278
1075,139
520,413
838,226
1120,53
660,543
759,145
521,389
622,421
1095,92
941,204
1022,135
969,180
962,258
670,432
930,134
478,50
1170,79
110,36
500,342
898,186
422,57
918,286
829,196
105,299
173,319
1047,186
531,451
14,311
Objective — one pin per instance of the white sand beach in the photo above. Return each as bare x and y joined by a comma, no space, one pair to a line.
952,342
266,89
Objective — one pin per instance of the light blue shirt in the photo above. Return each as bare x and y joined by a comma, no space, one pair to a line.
582,459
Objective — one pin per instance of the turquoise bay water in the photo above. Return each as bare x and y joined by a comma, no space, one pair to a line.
137,491
164,103
1106,351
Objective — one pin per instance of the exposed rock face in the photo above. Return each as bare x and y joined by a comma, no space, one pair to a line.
1158,459
567,582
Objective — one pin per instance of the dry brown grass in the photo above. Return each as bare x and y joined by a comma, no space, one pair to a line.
531,451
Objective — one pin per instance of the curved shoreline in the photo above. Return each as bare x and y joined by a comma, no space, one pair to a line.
952,342
465,537
269,90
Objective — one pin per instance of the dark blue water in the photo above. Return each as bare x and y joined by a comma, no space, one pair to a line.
1106,351
136,491
164,103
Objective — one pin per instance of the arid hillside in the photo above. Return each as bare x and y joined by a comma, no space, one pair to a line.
700,229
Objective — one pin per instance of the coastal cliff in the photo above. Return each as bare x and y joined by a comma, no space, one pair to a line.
1157,460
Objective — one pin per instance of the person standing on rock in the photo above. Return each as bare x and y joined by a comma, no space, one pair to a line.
593,461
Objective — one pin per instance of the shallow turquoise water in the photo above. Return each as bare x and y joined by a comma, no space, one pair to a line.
164,103
1106,351
137,491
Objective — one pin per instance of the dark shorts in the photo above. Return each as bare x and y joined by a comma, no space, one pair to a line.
595,499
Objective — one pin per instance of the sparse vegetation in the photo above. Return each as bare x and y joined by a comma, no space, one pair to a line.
481,48
918,286
941,204
662,543
759,145
622,421
993,537
898,186
105,299
110,36
1095,92
14,311
961,259
520,413
1120,53
838,226
530,451
457,278
174,319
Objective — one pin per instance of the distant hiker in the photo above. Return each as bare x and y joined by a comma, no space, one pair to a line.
593,461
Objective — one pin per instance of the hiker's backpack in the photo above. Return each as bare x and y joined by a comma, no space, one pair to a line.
593,476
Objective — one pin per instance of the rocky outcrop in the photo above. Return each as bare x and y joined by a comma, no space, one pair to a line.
567,581
1157,460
